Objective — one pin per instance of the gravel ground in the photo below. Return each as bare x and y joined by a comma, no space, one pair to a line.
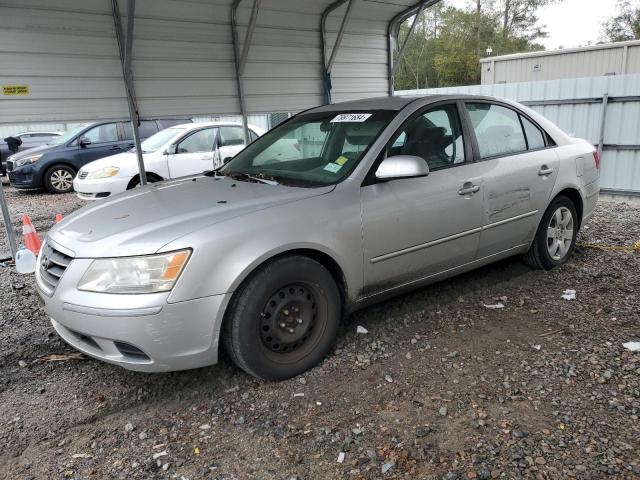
440,387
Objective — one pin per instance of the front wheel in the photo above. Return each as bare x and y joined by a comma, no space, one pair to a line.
284,319
59,179
556,235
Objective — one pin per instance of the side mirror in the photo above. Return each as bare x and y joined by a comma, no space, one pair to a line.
83,142
402,166
170,150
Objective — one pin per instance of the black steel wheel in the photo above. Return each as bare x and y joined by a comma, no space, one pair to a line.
284,319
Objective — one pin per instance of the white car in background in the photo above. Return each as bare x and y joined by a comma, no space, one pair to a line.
177,151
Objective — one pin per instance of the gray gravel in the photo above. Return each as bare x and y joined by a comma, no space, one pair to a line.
439,387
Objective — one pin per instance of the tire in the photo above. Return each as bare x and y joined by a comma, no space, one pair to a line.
284,319
59,179
555,238
135,181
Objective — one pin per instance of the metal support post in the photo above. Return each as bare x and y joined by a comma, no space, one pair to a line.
8,226
328,65
125,47
241,57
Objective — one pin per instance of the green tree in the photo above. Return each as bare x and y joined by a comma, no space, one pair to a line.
447,43
626,24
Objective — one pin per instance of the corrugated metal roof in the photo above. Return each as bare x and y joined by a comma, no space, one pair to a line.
183,62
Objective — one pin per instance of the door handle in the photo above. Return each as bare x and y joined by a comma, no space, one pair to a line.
116,147
544,170
469,189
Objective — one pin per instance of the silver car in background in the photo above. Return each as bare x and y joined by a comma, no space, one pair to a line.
266,255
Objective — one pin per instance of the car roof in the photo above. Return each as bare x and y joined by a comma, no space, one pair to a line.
40,133
395,102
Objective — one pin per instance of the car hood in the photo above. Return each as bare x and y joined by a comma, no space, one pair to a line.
122,160
32,151
143,220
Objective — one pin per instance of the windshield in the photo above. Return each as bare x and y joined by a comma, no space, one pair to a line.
312,149
68,135
158,140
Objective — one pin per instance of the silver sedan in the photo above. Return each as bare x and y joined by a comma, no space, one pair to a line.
339,207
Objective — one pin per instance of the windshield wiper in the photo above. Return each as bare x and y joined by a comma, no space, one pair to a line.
243,176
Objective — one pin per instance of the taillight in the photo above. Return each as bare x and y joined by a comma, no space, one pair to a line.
596,157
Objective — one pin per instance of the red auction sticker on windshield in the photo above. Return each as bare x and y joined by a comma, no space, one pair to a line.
351,117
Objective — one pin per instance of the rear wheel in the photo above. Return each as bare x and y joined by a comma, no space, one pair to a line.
284,319
556,235
59,179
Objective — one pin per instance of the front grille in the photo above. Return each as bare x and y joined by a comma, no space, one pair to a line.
53,264
9,165
82,175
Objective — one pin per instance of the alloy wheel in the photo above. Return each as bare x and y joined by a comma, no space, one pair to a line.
560,232
61,179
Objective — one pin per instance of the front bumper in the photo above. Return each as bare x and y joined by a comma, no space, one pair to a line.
24,177
99,188
138,332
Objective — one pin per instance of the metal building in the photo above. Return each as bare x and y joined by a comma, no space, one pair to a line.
606,59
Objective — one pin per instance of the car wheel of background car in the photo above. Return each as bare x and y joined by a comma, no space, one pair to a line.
59,179
284,319
135,181
556,235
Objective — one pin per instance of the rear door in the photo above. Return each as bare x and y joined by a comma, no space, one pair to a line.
193,154
520,167
145,130
104,141
417,227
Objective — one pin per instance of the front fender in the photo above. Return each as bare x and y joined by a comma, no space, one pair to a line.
225,254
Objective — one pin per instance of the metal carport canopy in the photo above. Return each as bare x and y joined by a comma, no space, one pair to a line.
183,58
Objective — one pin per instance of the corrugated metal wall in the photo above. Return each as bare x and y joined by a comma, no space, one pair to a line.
183,57
611,59
620,167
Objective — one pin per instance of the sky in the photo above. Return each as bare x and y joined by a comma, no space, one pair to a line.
570,23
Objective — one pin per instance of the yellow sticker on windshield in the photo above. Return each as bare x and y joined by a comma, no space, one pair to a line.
341,160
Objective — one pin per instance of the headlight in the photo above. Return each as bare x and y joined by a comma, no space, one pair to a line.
105,172
148,274
26,160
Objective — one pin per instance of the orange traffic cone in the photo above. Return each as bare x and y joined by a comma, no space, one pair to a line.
31,240
58,217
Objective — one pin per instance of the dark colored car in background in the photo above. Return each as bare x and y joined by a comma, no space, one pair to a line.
27,140
54,166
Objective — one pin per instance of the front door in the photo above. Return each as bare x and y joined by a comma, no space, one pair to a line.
418,227
519,174
194,153
98,142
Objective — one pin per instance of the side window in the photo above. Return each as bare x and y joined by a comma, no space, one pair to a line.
200,141
497,129
146,129
253,135
435,136
535,138
102,133
230,136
